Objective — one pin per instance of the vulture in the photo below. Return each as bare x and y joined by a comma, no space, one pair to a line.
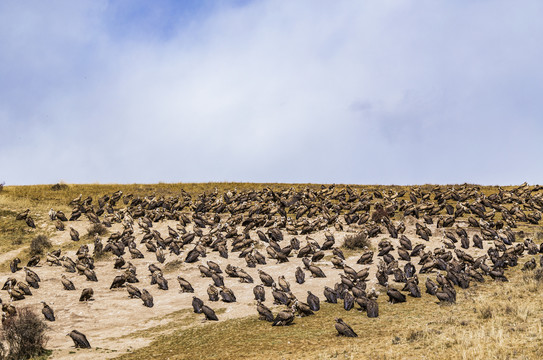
395,296
300,275
303,309
283,318
118,282
185,285
192,256
32,278
227,295
279,297
160,257
90,274
14,265
348,301
266,279
197,305
283,284
68,285
22,286
316,271
214,267
161,281
259,293
22,215
147,298
30,222
330,295
16,294
86,294
34,261
80,340
372,308
74,234
119,262
313,301
343,329
48,312
218,280
263,312
529,265
133,292
209,313
212,293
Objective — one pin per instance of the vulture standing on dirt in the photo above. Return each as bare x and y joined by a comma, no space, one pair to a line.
34,261
32,278
68,285
74,234
266,279
80,340
118,282
86,294
186,287
212,293
14,265
259,293
48,312
133,292
147,298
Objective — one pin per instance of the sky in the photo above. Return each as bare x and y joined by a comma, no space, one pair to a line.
358,92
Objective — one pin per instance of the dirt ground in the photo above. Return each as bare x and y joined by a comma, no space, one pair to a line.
112,315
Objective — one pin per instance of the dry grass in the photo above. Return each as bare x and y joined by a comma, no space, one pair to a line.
39,245
357,241
96,229
24,335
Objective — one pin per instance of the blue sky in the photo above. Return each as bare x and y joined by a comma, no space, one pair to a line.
391,92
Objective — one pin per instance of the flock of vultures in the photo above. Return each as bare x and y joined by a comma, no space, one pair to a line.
455,235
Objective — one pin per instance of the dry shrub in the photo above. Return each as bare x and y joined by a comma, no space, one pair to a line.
96,229
2,186
538,275
103,255
415,335
379,214
173,265
39,244
358,241
534,278
59,186
486,312
24,335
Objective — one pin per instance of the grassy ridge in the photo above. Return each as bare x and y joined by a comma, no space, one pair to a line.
42,197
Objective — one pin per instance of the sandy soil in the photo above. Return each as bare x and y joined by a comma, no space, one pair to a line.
112,315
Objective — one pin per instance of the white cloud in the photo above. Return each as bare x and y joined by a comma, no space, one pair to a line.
352,92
